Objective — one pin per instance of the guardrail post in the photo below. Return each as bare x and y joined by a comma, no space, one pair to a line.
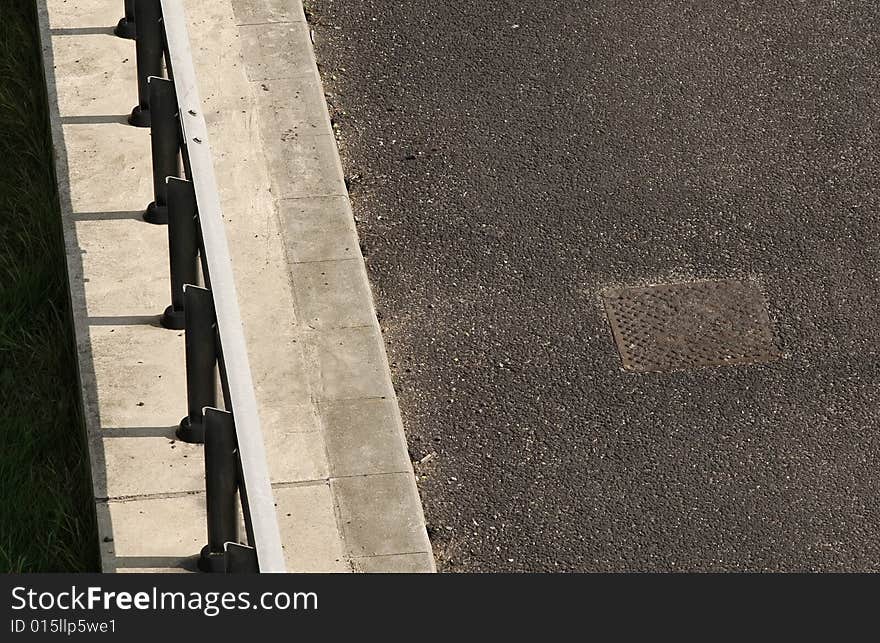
148,46
164,145
200,346
125,28
221,487
183,248
241,559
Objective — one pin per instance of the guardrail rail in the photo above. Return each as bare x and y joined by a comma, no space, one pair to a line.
203,297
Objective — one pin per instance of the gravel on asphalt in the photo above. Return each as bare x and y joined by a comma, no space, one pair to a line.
509,160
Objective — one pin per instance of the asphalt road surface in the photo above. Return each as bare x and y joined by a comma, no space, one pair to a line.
510,160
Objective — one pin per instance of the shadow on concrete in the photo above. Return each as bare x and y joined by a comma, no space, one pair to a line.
145,563
121,215
82,31
140,432
126,320
95,119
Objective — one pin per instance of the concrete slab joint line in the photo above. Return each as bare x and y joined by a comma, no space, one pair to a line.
339,468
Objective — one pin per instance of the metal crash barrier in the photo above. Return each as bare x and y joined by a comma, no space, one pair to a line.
203,297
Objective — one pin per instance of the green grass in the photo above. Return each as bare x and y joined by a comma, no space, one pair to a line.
46,510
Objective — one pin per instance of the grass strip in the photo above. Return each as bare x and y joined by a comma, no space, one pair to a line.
46,511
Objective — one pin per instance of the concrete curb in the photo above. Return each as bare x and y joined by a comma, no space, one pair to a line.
371,477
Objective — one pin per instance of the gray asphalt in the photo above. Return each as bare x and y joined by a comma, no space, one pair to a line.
510,159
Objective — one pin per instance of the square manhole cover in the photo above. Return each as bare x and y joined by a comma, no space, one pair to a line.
671,327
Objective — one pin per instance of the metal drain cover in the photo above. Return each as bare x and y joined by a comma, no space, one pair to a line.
671,327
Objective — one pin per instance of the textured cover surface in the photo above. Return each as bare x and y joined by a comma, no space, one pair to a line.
677,326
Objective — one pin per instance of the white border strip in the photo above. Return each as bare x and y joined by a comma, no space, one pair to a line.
252,452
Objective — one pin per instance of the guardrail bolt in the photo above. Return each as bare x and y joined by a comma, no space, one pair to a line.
221,488
125,28
200,347
183,248
148,46
164,145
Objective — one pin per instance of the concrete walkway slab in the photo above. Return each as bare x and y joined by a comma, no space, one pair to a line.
318,228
